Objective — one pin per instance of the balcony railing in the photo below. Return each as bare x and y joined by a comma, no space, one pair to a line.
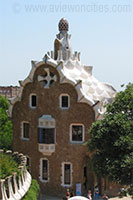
46,149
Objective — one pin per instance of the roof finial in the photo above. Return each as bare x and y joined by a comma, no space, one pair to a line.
63,25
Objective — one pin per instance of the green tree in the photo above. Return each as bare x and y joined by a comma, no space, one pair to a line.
6,133
111,140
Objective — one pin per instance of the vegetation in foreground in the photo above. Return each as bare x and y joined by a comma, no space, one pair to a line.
7,166
33,192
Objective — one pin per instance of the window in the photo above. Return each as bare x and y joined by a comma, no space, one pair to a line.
47,135
44,170
33,101
77,133
67,174
64,101
25,130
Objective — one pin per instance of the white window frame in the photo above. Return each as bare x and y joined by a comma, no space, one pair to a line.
44,181
22,130
30,101
60,101
83,134
62,177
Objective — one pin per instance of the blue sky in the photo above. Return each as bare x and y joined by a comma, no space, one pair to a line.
101,30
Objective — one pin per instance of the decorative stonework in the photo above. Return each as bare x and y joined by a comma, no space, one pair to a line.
46,149
48,79
46,121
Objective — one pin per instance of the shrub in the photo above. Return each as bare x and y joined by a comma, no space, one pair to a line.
7,166
33,191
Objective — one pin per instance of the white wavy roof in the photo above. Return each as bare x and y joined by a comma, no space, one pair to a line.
89,89
93,89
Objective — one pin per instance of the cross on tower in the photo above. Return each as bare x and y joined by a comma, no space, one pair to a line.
48,79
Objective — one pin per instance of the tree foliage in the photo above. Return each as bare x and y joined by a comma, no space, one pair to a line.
6,133
111,139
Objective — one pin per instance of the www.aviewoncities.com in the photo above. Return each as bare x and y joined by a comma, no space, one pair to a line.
72,8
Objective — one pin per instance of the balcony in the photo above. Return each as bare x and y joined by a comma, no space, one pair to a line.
46,149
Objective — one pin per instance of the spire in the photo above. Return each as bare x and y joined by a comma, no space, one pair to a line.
62,42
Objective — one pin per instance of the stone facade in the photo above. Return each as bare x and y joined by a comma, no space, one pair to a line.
65,151
52,114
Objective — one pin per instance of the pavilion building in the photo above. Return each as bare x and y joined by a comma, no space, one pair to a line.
56,105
